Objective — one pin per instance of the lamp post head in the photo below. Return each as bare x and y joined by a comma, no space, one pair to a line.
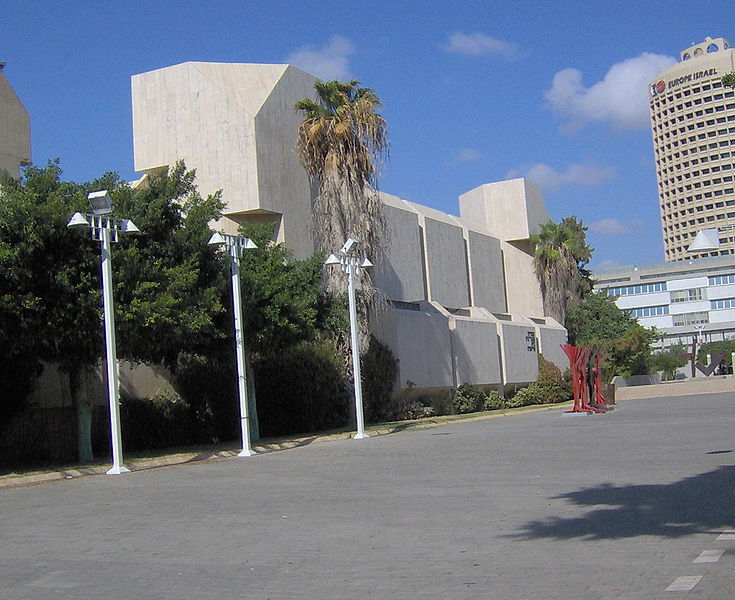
127,226
78,221
217,239
349,246
100,202
332,260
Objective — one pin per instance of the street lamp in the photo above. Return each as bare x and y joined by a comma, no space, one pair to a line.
235,245
107,229
351,264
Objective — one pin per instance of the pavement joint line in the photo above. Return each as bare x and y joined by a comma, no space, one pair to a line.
183,458
684,583
709,556
726,535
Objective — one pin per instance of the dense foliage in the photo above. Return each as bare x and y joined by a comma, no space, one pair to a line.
667,362
301,390
172,308
626,344
379,368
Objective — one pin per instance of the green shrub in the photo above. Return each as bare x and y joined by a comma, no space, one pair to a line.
415,409
493,401
551,382
207,385
299,390
441,403
468,399
163,421
527,396
379,368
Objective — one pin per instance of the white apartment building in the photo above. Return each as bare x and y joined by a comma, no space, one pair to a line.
682,299
693,126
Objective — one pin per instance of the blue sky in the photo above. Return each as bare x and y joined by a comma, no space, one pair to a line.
473,92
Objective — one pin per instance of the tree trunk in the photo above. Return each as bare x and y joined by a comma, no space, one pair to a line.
252,405
83,407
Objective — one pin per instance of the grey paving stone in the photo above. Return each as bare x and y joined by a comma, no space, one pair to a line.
531,506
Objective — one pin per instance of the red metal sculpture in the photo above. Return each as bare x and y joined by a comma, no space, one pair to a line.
586,366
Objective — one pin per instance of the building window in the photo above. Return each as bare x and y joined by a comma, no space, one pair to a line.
724,303
653,311
634,290
695,318
691,295
721,279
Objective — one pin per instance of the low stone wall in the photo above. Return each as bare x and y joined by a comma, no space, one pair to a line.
698,386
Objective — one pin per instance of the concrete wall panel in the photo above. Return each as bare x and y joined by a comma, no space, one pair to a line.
399,271
445,255
550,340
521,284
486,272
476,352
519,347
420,341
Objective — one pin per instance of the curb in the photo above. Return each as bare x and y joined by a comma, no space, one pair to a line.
142,464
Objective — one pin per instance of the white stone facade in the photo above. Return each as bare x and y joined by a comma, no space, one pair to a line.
465,304
15,129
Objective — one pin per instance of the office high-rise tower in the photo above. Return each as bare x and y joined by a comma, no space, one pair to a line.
693,123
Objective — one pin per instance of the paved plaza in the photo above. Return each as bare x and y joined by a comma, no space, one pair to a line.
535,505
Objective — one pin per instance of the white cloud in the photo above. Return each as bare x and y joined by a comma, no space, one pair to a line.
606,264
549,179
478,44
466,155
328,62
611,226
620,98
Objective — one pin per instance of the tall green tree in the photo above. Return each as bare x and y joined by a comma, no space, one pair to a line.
168,283
342,143
729,80
49,291
561,254
598,321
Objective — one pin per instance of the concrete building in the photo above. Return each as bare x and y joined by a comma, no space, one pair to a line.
15,129
693,123
465,305
682,300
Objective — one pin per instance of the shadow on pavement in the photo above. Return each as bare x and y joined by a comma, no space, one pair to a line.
700,504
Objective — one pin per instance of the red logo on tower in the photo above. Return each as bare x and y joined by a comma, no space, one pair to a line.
658,87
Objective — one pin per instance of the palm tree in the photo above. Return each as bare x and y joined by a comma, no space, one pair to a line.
342,142
560,255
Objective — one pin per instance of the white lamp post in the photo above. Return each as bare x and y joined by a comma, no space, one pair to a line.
350,264
107,229
235,245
